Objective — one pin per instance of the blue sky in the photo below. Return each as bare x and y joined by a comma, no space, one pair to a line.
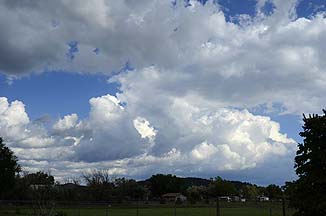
57,93
222,83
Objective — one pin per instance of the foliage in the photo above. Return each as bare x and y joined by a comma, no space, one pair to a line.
220,187
196,193
250,191
161,184
273,191
129,188
9,167
32,185
308,193
39,178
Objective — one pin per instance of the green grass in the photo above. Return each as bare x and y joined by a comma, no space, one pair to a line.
158,211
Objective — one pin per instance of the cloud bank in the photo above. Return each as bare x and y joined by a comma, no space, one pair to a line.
185,139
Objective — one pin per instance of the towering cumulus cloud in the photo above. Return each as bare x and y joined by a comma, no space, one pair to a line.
179,137
189,77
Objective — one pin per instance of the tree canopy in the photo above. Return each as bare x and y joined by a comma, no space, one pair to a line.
220,187
161,184
308,193
273,191
8,168
39,178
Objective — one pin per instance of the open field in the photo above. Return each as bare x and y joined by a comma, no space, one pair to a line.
158,212
229,210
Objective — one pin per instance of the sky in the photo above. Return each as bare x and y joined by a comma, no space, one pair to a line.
138,87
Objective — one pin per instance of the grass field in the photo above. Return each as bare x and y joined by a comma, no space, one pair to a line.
159,211
179,212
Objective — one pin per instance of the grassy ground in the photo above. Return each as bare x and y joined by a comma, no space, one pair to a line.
158,211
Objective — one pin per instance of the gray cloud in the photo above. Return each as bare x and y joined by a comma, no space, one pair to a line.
264,60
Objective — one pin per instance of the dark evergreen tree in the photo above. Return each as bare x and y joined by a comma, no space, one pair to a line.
309,191
161,184
8,169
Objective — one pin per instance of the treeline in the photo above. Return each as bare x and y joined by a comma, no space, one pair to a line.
98,185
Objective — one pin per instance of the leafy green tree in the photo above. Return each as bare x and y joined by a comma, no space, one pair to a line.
273,191
9,167
290,190
220,187
196,193
309,191
129,188
250,191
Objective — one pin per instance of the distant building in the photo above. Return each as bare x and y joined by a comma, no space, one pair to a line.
70,186
235,198
39,186
173,197
263,198
225,198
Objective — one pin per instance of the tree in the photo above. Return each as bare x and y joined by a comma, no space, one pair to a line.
309,191
39,178
8,169
100,184
273,191
129,189
161,184
196,193
250,191
219,187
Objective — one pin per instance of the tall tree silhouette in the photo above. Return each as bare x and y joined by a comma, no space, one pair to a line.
309,191
8,169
